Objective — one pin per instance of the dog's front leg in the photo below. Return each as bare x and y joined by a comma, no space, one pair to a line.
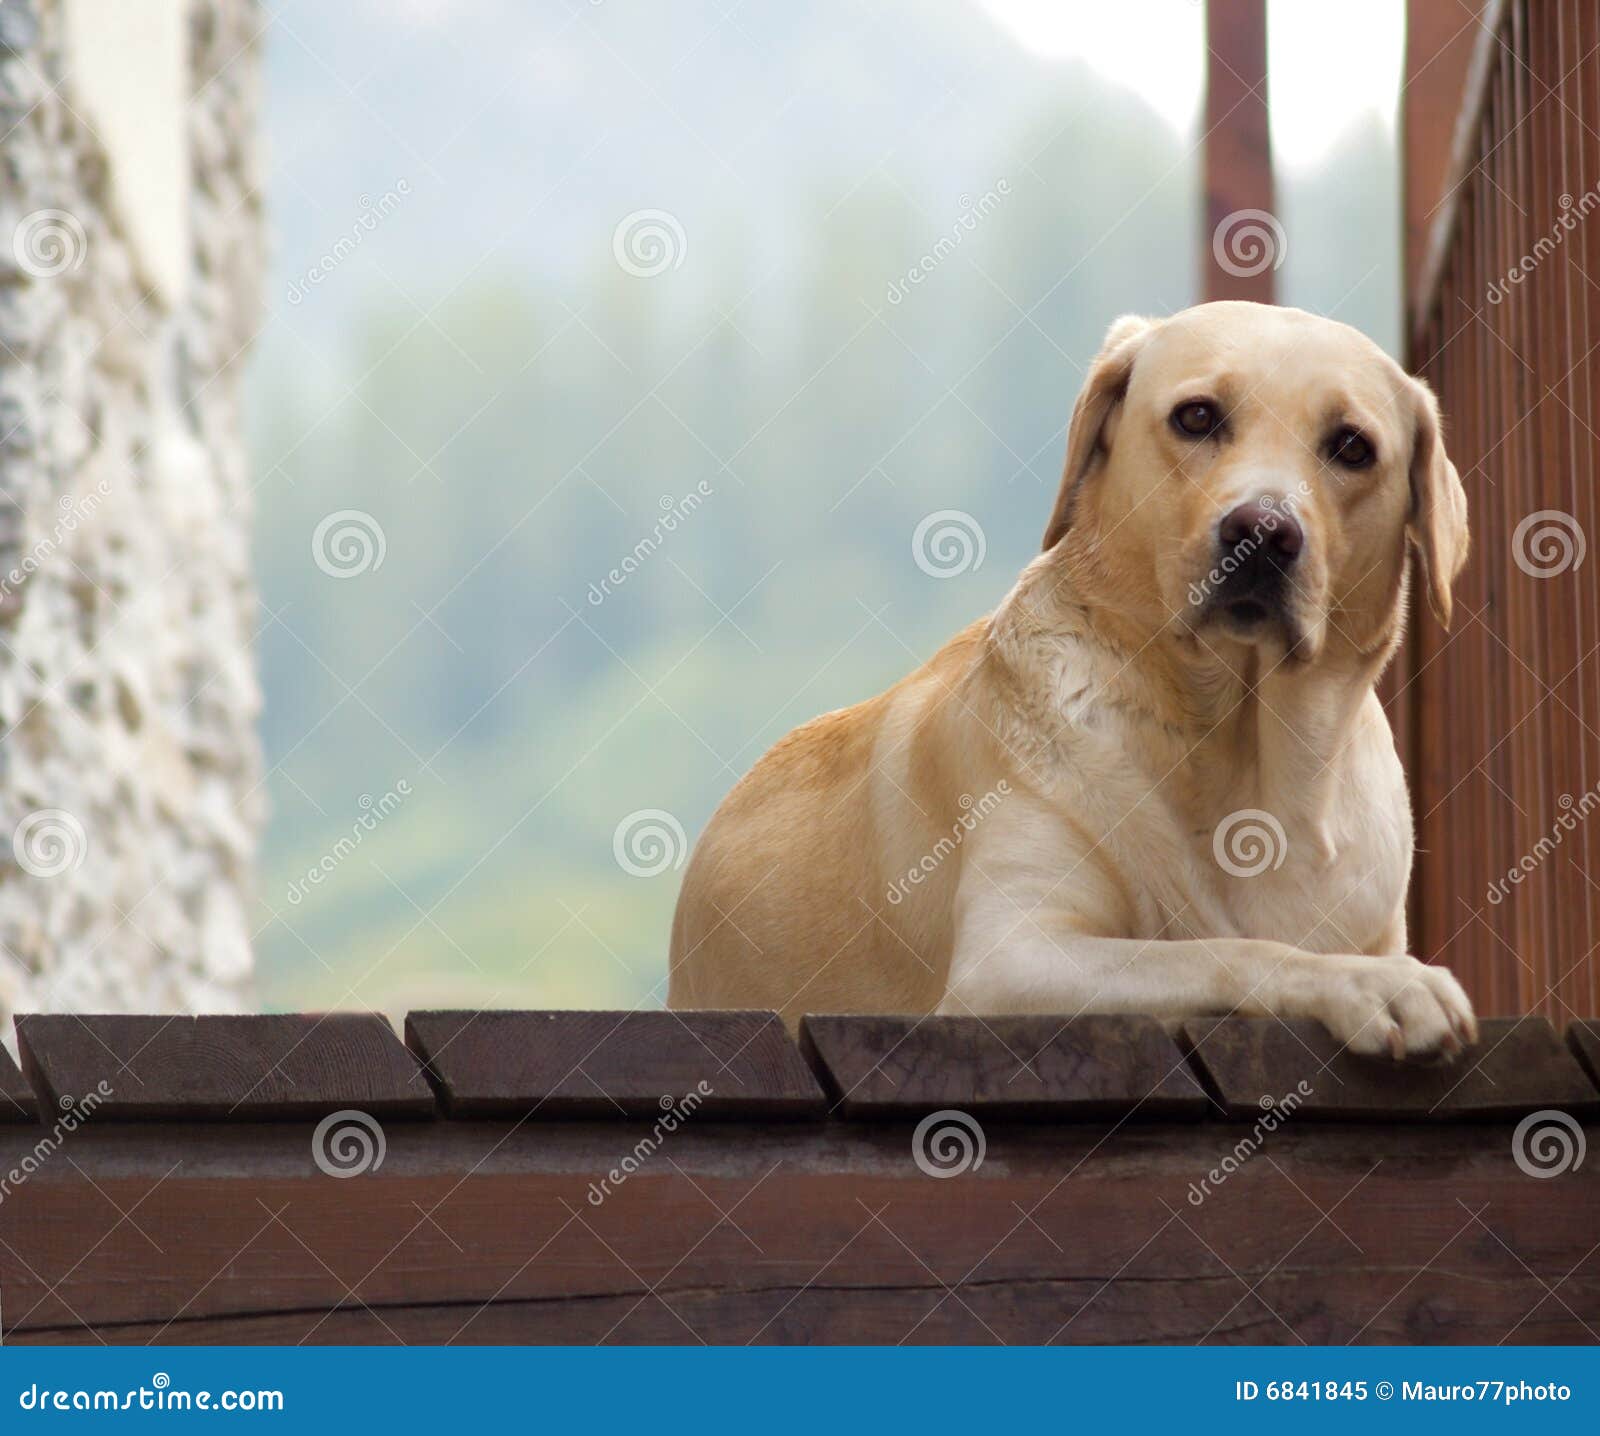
1008,959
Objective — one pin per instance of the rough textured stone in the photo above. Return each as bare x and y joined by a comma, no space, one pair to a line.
129,769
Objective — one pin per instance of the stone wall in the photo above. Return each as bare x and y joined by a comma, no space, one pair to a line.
130,257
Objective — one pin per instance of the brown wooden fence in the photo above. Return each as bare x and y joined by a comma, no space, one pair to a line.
684,1177
1504,712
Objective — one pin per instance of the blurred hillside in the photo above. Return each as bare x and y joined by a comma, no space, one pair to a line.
512,412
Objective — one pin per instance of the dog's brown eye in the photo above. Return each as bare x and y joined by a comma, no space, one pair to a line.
1350,448
1196,419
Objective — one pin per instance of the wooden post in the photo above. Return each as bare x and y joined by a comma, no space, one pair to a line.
1243,241
1441,36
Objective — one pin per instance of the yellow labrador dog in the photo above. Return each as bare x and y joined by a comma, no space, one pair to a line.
1157,778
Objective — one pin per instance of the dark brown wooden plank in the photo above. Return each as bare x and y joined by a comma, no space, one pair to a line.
1316,1232
1518,1066
1240,250
17,1101
1171,1310
1584,1040
223,1067
614,1064
1053,1067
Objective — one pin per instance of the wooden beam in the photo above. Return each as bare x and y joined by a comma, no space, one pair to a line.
1442,213
797,1232
1441,37
1242,246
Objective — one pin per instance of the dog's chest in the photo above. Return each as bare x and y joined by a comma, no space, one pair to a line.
1343,902
1325,876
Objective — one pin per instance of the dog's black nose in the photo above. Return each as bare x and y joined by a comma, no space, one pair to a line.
1264,526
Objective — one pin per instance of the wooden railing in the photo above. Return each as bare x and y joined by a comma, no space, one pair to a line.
662,1177
1504,712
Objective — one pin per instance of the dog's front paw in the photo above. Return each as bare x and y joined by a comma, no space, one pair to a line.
1396,1005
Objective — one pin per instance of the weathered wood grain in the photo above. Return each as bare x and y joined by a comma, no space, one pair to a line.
1254,1063
246,1068
1024,1067
794,1232
614,1064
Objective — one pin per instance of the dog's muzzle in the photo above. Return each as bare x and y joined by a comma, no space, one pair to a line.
1258,546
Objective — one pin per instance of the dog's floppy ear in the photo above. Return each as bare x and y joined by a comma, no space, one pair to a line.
1088,436
1437,524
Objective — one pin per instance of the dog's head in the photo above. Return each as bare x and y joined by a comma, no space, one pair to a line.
1255,475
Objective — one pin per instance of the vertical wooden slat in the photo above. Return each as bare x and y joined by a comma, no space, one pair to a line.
1238,148
1504,311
